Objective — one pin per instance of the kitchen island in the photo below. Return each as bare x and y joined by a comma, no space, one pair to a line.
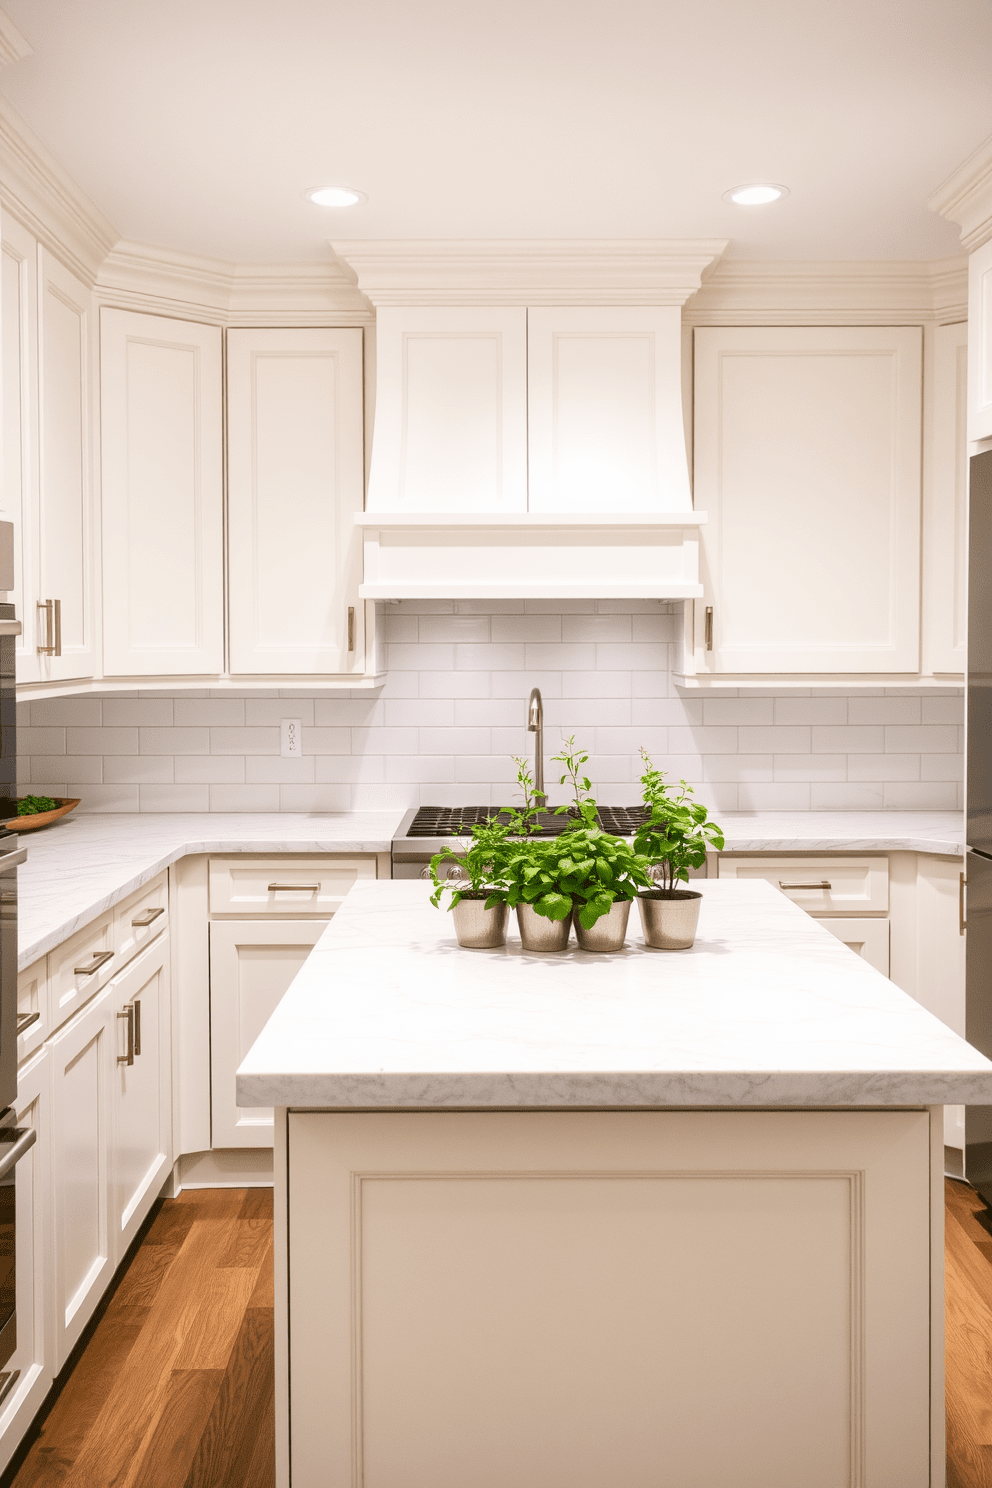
653,1219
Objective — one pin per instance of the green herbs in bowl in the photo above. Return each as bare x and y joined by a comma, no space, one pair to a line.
34,805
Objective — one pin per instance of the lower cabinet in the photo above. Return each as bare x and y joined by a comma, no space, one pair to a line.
252,963
142,1092
82,1062
869,939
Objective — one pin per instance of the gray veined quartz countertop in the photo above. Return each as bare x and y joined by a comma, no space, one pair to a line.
767,1009
87,863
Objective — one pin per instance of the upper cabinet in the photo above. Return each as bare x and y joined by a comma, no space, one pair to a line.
808,463
945,512
980,338
295,482
19,315
162,496
604,406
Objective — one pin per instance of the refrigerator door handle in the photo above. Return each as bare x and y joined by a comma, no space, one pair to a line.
962,920
25,1138
11,859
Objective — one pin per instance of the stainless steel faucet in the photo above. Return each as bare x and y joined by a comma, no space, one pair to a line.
535,725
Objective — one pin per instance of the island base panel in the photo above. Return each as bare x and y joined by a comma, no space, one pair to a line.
568,1300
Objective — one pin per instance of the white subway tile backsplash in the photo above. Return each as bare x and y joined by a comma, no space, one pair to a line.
453,708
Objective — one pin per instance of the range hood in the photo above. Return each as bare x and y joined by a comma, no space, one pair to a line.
529,436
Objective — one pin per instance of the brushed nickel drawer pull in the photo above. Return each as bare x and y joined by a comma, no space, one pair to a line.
137,1026
100,958
278,888
128,1013
351,627
146,918
823,884
25,1020
708,628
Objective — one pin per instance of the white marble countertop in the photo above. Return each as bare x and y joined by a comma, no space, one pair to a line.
85,864
767,1009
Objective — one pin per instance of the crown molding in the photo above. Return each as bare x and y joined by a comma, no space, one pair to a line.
965,198
508,271
137,276
45,199
784,292
13,46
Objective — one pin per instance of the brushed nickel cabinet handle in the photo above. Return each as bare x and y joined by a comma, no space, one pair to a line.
49,648
58,627
100,958
823,884
708,628
137,1026
351,627
962,917
128,1014
147,917
278,888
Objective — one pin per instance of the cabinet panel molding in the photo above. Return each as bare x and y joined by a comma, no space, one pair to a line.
605,429
162,495
20,430
980,343
807,460
142,1093
295,482
945,519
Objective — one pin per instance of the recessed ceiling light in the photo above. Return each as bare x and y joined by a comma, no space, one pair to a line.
335,196
755,196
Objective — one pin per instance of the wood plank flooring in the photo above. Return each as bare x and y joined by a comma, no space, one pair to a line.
174,1388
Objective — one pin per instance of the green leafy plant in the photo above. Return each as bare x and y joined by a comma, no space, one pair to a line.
35,805
677,832
523,822
481,867
582,804
597,870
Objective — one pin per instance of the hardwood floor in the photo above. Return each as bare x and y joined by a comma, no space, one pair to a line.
174,1389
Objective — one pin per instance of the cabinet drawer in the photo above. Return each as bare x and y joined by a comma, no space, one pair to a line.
33,1002
140,918
866,937
284,886
81,966
820,885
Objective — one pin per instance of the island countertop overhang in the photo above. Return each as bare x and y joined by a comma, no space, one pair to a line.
767,1010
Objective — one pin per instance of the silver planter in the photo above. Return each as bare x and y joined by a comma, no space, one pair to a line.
479,928
669,918
540,934
609,931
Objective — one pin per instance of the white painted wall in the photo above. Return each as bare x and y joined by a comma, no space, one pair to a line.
452,710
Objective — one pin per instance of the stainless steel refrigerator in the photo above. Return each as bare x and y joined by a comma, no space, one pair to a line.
978,805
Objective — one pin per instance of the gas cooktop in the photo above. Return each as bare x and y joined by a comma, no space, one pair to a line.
458,821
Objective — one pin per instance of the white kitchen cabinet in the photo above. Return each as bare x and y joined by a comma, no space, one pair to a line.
807,461
33,1354
980,343
162,485
945,513
82,1055
252,963
867,938
64,485
142,1092
451,410
604,410
295,481
19,496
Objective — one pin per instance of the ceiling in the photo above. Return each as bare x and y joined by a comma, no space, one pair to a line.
198,124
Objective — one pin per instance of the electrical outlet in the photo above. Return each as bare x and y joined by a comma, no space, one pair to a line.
292,738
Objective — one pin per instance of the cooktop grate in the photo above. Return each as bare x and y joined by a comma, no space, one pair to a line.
458,821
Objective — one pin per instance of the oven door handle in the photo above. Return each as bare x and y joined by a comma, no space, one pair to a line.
26,1138
11,859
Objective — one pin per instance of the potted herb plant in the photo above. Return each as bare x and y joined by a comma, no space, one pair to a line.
477,886
675,837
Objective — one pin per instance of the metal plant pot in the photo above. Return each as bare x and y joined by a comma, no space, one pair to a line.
669,918
609,931
540,934
479,928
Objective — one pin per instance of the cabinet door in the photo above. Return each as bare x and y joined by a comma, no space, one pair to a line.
945,516
64,470
251,967
867,938
142,1099
82,1061
980,343
295,482
451,410
162,496
604,404
20,430
807,461
33,1354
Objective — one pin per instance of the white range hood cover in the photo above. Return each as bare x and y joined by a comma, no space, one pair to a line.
529,436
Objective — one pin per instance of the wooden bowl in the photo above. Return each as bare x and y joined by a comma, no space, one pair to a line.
41,818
